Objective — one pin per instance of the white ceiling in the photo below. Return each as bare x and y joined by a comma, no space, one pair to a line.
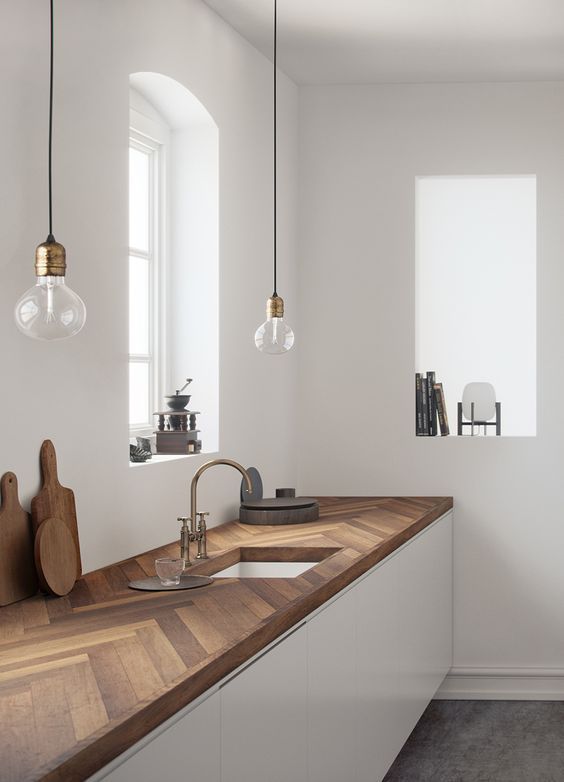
372,41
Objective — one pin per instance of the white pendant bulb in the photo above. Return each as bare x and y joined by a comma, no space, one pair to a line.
50,310
274,336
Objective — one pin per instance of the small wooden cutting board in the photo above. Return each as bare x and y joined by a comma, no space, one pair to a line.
18,578
55,557
54,500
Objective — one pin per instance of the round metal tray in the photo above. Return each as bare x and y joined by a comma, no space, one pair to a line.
153,584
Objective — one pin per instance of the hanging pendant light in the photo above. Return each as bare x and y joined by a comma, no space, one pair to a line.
274,335
50,309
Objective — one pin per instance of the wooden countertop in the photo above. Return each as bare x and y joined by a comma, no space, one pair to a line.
83,677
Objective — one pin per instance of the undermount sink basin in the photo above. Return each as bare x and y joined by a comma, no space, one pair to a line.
265,570
265,562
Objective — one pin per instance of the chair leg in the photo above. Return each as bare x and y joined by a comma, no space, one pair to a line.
498,419
459,429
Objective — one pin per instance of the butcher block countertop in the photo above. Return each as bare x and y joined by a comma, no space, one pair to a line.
83,677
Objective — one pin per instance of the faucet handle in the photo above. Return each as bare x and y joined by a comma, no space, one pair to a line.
201,534
185,537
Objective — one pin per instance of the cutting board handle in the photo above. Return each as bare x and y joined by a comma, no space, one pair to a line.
48,460
18,578
9,488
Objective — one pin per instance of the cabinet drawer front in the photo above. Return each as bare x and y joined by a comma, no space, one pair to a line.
379,736
331,695
425,630
264,718
190,747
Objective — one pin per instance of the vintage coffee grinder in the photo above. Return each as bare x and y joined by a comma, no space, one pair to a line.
176,428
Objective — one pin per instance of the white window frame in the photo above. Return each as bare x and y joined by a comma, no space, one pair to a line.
151,136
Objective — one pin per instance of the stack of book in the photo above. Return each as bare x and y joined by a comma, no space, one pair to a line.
430,408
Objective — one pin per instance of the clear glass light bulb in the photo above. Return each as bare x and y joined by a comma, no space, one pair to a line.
50,310
274,335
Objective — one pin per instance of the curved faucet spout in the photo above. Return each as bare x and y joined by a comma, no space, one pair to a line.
196,478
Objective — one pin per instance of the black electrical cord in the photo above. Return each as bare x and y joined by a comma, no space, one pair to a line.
51,238
275,140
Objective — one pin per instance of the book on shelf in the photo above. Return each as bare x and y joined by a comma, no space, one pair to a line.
424,407
430,408
441,409
418,408
432,404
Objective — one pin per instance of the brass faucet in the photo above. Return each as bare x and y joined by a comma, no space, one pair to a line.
198,528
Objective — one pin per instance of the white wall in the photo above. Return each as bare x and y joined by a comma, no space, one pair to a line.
360,150
75,392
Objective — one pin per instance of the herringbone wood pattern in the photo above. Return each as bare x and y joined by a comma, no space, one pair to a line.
85,676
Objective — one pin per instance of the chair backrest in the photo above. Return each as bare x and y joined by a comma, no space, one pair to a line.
483,396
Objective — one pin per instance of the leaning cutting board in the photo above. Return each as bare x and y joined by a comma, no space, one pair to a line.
54,500
18,578
55,557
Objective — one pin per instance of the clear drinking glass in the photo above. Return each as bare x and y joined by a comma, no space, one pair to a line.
169,570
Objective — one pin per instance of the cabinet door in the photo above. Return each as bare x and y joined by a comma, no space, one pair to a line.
425,610
264,718
331,692
379,737
187,749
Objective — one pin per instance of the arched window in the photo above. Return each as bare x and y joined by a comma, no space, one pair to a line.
173,253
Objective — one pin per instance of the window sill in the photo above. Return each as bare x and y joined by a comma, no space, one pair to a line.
161,458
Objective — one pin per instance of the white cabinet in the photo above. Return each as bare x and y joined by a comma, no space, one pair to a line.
264,716
425,613
377,669
187,749
387,641
335,699
331,691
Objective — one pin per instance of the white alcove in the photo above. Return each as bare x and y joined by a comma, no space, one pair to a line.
189,291
475,291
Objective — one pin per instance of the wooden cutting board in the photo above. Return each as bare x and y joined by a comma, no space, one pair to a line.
54,500
55,557
18,578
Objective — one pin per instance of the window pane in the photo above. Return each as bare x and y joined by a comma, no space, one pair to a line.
139,305
139,412
138,199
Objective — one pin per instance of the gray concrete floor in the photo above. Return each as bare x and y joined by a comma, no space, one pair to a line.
484,741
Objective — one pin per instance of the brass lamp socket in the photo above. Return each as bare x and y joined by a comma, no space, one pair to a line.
50,259
275,307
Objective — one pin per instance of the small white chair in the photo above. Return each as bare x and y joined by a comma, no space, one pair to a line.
478,407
